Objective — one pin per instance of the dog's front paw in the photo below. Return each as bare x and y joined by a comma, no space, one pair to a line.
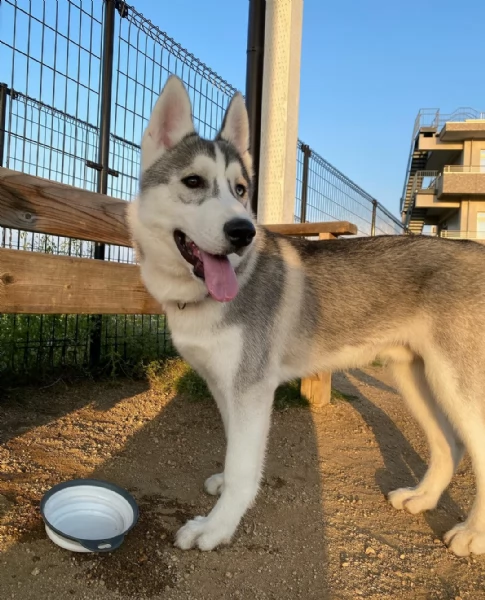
412,499
204,533
215,484
464,539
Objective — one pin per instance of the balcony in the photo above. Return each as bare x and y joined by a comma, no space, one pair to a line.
433,119
461,180
435,195
466,130
476,236
426,193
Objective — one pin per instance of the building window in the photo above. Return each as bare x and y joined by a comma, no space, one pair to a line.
481,225
482,161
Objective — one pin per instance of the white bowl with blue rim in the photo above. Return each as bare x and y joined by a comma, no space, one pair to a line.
88,515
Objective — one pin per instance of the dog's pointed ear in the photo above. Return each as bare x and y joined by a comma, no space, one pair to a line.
170,121
235,127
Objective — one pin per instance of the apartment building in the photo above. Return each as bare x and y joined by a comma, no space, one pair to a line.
444,188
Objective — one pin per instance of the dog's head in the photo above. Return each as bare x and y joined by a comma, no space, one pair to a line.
194,201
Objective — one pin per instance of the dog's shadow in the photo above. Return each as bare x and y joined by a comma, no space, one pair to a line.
163,463
403,466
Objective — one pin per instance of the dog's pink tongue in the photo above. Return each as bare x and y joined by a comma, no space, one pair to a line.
220,277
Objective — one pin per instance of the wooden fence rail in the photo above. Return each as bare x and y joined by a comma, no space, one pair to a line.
45,206
37,283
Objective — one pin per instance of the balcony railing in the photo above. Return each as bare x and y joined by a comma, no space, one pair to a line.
434,182
425,181
464,169
463,235
432,117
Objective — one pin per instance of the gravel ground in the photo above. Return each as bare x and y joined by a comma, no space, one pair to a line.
321,527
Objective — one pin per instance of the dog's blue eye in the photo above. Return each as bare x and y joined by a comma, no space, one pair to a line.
193,182
240,189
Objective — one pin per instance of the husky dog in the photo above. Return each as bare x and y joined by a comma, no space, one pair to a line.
249,309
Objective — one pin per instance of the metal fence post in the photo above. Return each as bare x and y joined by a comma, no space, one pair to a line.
103,151
374,215
307,152
254,85
3,119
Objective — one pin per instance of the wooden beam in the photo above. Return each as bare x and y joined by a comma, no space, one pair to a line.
45,206
317,389
35,283
336,228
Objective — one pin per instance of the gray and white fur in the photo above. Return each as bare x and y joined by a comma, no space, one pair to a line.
304,307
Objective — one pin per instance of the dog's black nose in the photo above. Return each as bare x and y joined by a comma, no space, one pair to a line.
240,232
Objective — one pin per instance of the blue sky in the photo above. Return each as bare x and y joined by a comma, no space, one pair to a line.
367,68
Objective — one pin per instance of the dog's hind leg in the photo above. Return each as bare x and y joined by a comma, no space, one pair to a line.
445,448
459,388
247,428
469,537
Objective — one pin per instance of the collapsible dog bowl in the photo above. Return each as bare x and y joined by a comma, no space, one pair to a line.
87,515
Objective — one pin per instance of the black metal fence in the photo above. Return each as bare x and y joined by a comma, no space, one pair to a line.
324,193
55,113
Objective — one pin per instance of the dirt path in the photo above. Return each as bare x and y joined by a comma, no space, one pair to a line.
321,528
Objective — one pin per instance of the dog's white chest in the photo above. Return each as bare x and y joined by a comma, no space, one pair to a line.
209,346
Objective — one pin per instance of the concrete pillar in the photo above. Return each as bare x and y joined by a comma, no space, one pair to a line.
279,120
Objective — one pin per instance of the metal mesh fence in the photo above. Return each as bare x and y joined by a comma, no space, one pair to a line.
331,196
51,54
51,65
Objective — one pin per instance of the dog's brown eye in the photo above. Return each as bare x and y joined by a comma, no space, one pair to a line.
240,189
193,182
